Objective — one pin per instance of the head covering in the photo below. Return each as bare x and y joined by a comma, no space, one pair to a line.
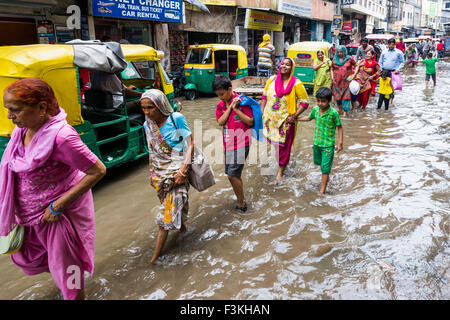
279,89
159,99
266,40
337,60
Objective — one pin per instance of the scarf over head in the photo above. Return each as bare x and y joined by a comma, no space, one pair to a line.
266,40
281,91
370,64
159,99
37,153
336,59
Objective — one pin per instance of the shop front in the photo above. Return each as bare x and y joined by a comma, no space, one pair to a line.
201,28
20,19
252,25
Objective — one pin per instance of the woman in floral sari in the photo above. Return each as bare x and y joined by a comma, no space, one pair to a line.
171,148
322,67
412,56
47,173
342,69
283,100
366,72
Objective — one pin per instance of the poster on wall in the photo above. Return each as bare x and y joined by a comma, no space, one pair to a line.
347,26
156,10
45,31
262,20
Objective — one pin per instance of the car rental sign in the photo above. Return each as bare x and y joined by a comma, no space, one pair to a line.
157,10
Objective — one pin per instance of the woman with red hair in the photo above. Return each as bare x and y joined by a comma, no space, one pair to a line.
47,173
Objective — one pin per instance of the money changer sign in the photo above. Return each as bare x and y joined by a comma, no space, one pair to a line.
158,10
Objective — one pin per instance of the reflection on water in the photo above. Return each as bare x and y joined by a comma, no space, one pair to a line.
380,233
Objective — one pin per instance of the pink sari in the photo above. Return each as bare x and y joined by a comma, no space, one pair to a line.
36,175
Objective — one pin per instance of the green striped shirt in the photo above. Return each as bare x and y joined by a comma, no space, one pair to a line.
325,126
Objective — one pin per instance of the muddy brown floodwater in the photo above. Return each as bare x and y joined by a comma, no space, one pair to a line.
380,233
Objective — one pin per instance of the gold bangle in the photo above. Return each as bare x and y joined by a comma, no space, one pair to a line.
179,171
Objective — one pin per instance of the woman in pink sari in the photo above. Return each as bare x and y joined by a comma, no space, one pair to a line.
47,173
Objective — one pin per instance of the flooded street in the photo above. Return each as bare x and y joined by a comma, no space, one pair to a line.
381,232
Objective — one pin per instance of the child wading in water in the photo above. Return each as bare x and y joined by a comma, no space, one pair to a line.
430,69
386,90
236,121
327,120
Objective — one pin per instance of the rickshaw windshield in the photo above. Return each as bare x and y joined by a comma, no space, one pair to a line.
140,70
199,56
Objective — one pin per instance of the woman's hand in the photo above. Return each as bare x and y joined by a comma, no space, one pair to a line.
50,217
179,179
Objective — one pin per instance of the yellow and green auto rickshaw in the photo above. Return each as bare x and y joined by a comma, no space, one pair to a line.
304,53
107,129
204,62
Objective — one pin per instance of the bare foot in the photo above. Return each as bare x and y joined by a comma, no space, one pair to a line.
278,180
345,114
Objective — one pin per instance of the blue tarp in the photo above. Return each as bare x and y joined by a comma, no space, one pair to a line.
257,116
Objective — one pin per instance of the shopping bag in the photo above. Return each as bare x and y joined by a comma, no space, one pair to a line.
396,80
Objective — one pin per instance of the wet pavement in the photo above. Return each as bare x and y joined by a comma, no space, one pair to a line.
381,232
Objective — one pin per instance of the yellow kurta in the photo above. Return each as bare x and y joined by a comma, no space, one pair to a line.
278,109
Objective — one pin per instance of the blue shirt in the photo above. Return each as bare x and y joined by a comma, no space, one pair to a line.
171,134
392,60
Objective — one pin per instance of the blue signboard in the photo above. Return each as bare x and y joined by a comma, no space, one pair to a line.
156,10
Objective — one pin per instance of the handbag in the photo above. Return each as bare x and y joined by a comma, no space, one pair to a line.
200,173
13,241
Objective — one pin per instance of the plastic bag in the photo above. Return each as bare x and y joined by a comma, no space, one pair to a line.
354,87
396,80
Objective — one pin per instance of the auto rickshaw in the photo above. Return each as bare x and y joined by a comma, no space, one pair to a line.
304,53
204,62
108,130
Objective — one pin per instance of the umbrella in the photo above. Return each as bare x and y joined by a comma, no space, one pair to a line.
198,4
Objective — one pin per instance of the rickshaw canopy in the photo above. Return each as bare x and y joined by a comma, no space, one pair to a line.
56,64
311,46
51,63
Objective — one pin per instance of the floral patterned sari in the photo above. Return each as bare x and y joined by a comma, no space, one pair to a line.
164,164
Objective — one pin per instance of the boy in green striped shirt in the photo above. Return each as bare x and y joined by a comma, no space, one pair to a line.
327,120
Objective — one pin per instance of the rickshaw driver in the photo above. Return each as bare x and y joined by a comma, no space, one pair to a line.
112,83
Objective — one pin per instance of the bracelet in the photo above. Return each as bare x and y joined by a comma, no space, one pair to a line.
51,209
184,175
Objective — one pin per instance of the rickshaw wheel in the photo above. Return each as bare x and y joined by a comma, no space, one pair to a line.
190,94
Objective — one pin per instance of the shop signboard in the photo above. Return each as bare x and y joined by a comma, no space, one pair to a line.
300,8
45,32
337,22
347,26
219,2
261,20
156,10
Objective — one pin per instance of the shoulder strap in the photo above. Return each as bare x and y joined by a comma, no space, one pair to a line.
176,128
